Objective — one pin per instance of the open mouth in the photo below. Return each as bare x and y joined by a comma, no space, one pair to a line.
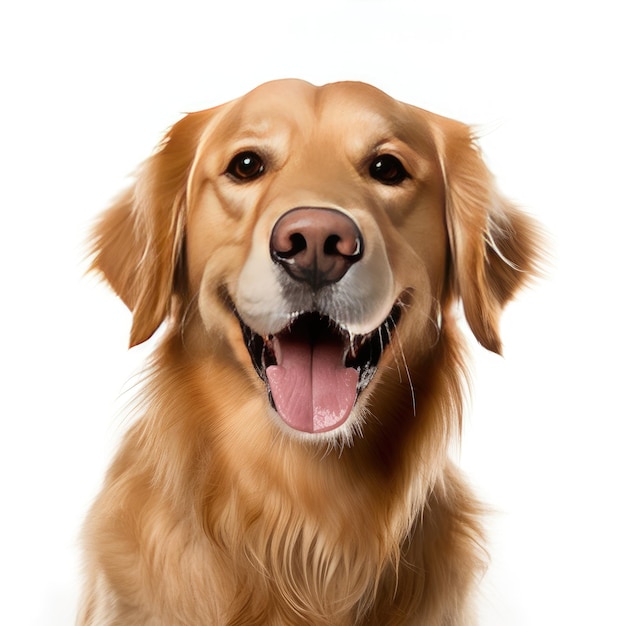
315,370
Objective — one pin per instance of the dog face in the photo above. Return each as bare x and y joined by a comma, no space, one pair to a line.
338,218
316,236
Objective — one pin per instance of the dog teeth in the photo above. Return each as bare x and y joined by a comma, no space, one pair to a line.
273,344
355,343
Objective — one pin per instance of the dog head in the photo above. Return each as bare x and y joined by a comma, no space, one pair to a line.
301,230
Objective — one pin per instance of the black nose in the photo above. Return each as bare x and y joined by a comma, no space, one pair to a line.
316,245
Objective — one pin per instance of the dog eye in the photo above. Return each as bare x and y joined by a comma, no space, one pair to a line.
388,170
246,166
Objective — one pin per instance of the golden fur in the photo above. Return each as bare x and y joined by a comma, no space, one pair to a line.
212,513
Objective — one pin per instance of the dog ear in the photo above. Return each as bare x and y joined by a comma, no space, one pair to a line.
137,245
496,249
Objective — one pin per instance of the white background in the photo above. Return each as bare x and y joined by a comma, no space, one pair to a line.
87,90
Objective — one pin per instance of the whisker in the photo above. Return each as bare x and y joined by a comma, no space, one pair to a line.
395,358
187,316
437,321
406,367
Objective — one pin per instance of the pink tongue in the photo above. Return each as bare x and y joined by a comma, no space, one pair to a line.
312,390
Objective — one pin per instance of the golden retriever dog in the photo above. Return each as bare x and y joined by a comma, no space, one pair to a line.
304,252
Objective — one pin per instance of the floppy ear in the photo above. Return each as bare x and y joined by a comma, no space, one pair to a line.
137,245
496,248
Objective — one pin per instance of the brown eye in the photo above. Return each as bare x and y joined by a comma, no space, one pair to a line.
388,170
246,166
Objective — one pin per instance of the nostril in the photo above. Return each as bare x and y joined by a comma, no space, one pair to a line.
297,243
331,245
348,245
